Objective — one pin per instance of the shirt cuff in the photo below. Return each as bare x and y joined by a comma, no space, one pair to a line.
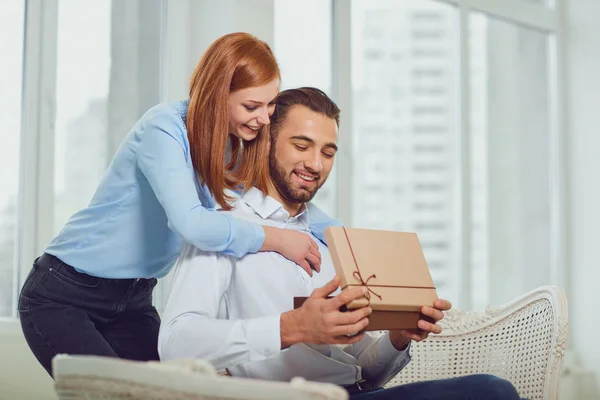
259,238
387,353
264,337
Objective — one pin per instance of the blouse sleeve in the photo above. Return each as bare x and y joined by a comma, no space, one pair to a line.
319,221
161,157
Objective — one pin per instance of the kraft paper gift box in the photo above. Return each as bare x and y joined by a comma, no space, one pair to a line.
392,267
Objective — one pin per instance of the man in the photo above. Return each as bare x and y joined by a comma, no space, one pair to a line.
238,313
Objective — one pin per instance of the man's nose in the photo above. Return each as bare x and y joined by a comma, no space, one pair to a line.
315,162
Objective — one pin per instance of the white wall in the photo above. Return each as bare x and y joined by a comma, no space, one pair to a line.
583,182
21,376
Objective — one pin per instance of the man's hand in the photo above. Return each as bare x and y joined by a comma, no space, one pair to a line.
428,324
320,321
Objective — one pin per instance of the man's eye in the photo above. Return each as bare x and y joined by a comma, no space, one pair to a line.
328,155
250,108
301,148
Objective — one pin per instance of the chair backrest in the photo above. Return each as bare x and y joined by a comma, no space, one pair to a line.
101,378
523,341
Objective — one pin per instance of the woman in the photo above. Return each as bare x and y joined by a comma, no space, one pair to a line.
91,290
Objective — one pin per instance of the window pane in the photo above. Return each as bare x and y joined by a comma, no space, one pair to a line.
83,73
405,92
11,48
510,159
108,75
303,50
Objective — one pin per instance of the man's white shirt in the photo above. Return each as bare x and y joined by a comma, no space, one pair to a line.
227,310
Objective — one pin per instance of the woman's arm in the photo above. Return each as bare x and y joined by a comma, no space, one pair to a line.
294,245
319,221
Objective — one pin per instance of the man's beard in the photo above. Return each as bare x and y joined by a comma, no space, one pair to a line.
284,185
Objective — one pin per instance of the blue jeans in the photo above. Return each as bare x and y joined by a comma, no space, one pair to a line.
472,387
68,312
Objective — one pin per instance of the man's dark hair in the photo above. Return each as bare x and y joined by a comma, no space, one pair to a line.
312,98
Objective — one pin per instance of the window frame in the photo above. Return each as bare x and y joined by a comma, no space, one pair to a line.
36,173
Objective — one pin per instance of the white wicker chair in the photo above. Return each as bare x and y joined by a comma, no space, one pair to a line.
523,341
100,378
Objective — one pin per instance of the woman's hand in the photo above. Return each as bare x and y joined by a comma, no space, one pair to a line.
294,245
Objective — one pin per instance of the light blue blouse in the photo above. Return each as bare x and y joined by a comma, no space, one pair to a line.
149,203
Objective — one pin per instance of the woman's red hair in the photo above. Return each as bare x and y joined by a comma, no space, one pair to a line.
233,62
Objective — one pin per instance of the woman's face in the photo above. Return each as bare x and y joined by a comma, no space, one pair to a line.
250,109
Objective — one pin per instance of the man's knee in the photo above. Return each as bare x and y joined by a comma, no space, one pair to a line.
493,387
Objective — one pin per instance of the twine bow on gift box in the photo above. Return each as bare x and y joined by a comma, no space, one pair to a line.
358,276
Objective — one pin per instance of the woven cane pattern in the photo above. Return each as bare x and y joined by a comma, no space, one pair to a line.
524,345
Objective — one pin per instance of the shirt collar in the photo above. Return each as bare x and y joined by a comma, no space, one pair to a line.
269,208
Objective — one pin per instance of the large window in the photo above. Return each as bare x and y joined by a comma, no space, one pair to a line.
11,51
448,119
453,138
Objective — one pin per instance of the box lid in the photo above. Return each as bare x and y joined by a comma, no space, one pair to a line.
391,264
